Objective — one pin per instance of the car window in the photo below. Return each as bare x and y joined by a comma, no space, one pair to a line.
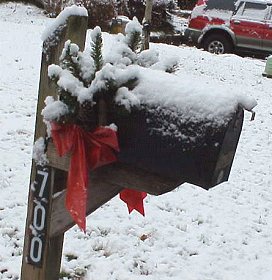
254,11
220,5
239,8
269,16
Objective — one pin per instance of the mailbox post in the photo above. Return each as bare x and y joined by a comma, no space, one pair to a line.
42,251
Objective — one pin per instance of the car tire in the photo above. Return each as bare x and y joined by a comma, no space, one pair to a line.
217,43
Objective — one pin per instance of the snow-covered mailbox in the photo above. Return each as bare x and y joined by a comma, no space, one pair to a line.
116,122
179,137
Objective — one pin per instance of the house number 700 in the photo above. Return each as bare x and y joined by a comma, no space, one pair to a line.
39,217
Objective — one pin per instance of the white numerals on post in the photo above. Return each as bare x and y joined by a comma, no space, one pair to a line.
39,217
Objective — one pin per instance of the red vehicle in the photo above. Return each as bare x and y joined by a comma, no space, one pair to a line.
221,26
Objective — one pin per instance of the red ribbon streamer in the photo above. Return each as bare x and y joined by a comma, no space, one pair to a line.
134,200
89,150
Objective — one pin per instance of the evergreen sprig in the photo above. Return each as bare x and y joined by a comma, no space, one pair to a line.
134,41
96,53
70,62
85,113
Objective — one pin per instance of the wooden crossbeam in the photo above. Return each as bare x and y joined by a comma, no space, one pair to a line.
104,183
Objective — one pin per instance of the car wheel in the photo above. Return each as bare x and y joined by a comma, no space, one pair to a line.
218,44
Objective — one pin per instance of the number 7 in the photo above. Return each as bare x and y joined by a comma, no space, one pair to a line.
45,177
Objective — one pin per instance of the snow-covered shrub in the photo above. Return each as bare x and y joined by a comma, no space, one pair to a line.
186,4
38,3
100,12
161,12
54,7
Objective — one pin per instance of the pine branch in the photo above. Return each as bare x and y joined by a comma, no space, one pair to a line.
69,61
97,51
134,40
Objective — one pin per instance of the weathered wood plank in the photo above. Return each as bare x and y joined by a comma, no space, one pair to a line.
99,193
75,30
62,163
106,182
128,176
120,174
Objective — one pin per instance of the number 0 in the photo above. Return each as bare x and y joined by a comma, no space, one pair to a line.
41,217
36,249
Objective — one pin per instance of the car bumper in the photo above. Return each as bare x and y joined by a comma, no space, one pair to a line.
192,35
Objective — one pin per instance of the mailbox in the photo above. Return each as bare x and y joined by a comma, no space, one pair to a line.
205,161
118,24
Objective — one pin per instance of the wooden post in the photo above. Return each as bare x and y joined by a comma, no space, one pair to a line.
147,23
42,253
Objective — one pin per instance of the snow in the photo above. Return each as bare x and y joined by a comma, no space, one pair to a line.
95,32
54,110
191,234
62,18
187,98
69,83
126,98
108,73
160,2
39,152
81,59
133,26
70,47
211,14
119,52
123,18
167,63
147,58
112,126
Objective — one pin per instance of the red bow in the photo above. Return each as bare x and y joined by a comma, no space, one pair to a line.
89,150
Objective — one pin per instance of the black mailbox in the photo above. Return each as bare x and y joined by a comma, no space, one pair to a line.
203,158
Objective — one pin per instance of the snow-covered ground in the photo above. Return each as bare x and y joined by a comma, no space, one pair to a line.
190,234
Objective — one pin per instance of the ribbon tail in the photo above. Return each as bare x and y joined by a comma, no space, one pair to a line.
63,137
102,143
134,200
77,184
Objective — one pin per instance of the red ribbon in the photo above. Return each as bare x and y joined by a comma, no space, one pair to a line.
134,200
89,150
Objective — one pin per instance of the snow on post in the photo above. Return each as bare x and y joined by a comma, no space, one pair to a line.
61,19
52,34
